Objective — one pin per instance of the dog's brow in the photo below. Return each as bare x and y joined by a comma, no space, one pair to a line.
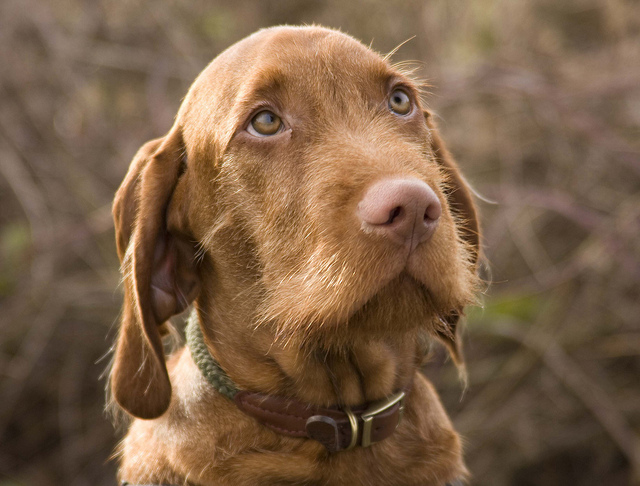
399,79
265,83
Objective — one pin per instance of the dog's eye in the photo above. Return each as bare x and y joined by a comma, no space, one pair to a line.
265,124
399,102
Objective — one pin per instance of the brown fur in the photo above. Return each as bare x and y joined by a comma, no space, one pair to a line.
294,298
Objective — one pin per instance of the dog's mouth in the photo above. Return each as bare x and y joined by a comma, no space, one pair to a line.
412,280
402,287
405,301
401,303
377,289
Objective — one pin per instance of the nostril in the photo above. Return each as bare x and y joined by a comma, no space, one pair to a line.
433,211
394,214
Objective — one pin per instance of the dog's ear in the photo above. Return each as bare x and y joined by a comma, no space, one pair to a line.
459,196
458,192
159,274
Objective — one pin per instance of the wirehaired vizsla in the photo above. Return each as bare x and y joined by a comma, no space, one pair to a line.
304,203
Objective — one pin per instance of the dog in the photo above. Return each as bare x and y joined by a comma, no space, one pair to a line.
304,205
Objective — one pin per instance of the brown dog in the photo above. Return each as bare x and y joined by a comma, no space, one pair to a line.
304,202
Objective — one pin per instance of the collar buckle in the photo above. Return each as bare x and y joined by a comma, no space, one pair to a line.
369,414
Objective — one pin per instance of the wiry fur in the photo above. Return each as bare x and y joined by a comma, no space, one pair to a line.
295,298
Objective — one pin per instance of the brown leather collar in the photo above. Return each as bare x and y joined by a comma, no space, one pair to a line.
334,428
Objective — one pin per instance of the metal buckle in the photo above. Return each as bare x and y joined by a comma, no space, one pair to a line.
353,421
369,414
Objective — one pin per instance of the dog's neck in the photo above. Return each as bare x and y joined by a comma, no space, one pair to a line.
357,372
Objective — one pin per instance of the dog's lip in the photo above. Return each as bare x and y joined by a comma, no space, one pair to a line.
403,274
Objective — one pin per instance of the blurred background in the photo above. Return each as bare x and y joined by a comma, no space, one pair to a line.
538,99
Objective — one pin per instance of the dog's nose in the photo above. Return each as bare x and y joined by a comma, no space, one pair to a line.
404,210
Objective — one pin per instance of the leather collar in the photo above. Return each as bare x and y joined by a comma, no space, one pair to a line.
337,428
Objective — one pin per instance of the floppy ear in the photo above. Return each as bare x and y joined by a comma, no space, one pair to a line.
459,195
159,274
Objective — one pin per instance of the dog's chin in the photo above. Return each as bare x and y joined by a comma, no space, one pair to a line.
417,292
379,296
401,305
404,303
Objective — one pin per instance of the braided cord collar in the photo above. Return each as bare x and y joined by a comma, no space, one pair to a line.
209,367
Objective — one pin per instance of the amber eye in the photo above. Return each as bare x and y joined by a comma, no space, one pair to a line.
265,124
399,102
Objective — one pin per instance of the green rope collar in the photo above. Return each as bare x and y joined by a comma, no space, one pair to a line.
209,367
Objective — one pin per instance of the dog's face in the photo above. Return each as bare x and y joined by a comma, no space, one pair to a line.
264,189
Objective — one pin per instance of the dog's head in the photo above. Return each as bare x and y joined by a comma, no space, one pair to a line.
303,188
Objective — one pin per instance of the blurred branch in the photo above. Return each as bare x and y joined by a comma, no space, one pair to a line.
28,355
598,225
25,190
585,388
129,58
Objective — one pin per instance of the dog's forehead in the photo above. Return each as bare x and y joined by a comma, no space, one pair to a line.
301,52
307,62
300,57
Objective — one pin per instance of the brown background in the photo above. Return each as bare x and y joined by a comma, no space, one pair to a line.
538,99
